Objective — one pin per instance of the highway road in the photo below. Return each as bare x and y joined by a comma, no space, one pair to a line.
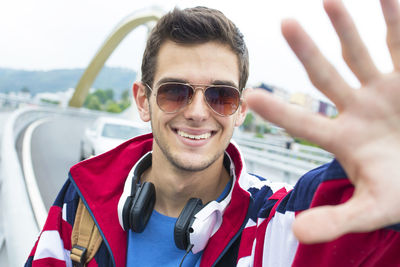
55,147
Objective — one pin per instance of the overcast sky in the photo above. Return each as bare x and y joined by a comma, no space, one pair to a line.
48,34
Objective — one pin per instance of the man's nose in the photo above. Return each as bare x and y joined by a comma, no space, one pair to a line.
198,108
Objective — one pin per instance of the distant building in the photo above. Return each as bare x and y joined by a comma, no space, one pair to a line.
302,99
266,87
327,109
281,93
60,98
277,91
298,98
15,99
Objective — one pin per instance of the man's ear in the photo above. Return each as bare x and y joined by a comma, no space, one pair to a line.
242,112
142,103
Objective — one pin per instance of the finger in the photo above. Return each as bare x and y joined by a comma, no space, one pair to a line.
322,74
296,120
326,223
354,51
391,12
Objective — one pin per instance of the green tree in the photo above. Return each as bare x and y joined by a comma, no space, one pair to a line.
124,104
49,101
113,107
125,101
104,100
109,94
25,90
104,95
125,95
101,95
263,128
248,121
93,102
304,142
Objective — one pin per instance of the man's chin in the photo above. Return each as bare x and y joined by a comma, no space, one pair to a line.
192,162
191,166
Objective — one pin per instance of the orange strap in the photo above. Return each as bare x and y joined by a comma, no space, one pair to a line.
86,238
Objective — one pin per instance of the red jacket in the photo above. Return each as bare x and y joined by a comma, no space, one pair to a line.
256,226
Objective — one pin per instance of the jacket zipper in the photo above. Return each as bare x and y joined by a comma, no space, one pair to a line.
236,235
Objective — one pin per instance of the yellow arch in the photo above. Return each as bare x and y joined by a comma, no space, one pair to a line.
115,38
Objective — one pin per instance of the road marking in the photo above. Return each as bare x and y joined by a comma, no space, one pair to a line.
33,190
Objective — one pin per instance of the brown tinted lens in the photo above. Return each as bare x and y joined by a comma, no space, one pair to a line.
223,99
172,97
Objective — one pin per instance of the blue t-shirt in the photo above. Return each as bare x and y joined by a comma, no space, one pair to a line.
155,246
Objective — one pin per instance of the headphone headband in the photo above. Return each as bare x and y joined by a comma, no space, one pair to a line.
140,167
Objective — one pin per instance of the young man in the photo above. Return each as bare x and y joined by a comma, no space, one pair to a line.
195,67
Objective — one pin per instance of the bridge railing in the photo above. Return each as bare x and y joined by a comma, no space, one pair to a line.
269,157
19,225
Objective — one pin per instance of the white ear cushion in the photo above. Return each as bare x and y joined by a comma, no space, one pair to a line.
207,221
125,194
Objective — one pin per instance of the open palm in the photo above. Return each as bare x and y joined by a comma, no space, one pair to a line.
365,137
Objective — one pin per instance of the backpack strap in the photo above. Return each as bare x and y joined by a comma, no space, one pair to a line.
86,238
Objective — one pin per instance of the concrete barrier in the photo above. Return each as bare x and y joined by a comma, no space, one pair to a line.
19,227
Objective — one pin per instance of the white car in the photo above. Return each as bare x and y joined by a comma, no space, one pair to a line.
107,133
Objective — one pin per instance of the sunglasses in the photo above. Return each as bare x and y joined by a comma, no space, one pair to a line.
173,96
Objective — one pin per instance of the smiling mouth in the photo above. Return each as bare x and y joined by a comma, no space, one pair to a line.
194,137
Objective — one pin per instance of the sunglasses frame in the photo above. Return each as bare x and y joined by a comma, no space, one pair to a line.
196,87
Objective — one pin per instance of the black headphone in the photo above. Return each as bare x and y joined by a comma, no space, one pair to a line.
183,225
139,206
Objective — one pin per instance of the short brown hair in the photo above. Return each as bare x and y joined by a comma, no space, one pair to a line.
192,26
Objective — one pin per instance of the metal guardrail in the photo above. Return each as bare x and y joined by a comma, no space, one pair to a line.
304,154
271,158
17,215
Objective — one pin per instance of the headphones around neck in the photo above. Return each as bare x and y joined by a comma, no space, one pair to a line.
194,226
140,203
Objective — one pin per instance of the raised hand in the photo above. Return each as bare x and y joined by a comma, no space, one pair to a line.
365,137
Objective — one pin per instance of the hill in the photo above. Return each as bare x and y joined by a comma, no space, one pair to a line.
14,80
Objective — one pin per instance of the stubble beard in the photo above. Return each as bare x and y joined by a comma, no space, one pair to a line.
180,164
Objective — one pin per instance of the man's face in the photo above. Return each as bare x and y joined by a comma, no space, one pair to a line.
195,137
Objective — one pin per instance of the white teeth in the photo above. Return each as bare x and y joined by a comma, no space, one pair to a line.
196,137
